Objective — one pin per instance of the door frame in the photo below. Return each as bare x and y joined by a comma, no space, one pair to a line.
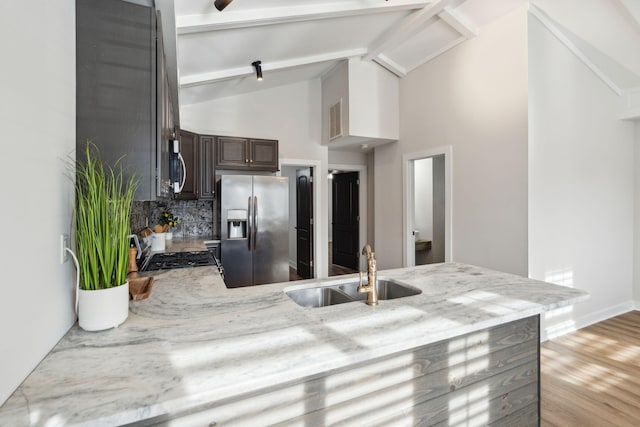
319,260
362,204
408,202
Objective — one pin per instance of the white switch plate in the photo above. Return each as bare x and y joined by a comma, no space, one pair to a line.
64,244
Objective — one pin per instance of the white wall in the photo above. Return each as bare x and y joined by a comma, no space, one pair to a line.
347,157
38,117
291,114
423,198
581,181
473,97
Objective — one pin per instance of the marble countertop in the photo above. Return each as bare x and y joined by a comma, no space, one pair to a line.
194,342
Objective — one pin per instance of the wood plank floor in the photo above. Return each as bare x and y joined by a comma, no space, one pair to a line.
592,377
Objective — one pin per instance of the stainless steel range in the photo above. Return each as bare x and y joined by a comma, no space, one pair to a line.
170,260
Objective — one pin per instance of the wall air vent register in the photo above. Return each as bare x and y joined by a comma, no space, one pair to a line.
335,120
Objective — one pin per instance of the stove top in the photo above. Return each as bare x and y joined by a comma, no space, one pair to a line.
170,260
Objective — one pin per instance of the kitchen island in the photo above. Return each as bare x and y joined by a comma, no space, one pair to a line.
197,353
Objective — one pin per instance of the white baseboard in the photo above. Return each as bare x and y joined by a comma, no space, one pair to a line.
565,323
604,314
636,305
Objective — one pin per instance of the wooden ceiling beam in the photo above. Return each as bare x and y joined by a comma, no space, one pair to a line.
390,65
458,22
229,19
231,73
405,28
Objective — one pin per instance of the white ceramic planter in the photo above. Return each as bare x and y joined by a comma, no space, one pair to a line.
168,235
103,308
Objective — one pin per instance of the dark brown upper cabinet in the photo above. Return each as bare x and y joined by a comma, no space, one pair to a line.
189,151
233,153
263,154
247,154
119,81
207,167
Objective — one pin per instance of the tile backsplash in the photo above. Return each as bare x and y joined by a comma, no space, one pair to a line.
196,217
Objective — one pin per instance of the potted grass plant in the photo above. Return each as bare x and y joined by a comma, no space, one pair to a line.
102,212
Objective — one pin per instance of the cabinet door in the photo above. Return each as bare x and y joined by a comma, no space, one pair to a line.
115,87
263,154
189,151
207,170
232,153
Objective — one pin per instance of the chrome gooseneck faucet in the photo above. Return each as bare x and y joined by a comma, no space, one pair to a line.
371,289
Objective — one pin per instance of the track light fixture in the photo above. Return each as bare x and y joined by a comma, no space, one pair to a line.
221,4
258,68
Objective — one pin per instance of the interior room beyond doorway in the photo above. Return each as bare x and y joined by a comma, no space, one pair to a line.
427,206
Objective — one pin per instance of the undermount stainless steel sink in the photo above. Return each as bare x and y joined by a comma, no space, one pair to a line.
318,297
387,289
348,292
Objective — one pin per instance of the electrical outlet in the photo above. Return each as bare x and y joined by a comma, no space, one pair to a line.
64,244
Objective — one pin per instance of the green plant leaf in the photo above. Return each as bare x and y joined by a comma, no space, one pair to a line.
102,213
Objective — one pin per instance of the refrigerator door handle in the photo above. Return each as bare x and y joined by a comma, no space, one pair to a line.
250,225
255,223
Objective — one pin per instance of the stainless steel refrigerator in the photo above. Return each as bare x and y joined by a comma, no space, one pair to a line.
254,214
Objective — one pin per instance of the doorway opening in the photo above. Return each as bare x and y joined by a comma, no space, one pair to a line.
427,207
347,218
303,214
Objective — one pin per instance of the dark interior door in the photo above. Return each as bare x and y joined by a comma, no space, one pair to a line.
304,222
345,227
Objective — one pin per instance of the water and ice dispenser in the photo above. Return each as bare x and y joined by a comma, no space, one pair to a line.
237,223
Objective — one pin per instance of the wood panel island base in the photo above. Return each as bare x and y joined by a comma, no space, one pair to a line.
489,377
464,352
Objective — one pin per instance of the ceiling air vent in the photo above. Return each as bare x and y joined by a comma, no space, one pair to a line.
335,120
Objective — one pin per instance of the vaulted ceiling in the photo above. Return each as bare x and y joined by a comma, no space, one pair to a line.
210,52
300,40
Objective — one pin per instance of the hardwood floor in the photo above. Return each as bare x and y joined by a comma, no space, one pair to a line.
592,377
